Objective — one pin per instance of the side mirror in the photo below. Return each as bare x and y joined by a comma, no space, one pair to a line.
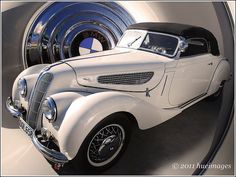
183,45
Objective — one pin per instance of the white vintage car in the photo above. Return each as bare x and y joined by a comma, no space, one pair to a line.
81,109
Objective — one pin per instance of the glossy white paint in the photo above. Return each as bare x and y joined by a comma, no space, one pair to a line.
29,71
82,102
86,112
30,74
192,77
222,73
122,62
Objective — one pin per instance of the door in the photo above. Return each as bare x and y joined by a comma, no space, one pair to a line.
193,74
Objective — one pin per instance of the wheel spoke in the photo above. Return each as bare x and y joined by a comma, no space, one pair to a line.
110,133
101,149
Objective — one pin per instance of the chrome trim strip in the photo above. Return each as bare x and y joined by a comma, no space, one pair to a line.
192,100
89,57
187,102
164,85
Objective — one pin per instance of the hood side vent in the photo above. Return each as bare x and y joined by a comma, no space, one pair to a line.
126,79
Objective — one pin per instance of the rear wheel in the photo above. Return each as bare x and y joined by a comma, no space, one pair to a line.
104,145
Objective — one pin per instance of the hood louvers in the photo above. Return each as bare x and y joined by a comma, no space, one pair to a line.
126,79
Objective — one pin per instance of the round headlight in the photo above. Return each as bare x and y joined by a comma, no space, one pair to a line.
22,87
49,109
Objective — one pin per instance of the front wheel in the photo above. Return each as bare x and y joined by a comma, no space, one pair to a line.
104,145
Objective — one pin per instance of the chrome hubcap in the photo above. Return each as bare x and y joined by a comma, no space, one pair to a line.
66,29
105,145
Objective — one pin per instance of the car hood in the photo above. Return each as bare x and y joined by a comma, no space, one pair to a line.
120,69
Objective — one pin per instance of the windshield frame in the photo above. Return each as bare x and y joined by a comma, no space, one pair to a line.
143,34
146,32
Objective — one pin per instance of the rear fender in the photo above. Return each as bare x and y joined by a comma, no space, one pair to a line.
222,73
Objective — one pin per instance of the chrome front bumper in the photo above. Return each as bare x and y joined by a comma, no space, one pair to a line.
51,154
15,112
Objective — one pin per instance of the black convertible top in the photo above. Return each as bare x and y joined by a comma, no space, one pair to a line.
186,31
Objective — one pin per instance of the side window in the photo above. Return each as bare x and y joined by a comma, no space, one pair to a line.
196,46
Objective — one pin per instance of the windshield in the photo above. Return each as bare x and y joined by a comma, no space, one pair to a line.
160,43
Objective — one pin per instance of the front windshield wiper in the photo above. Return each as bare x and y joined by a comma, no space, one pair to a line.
131,43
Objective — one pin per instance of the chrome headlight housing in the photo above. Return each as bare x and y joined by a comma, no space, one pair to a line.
22,87
49,109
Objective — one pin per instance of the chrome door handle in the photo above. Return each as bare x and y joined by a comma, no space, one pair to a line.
210,63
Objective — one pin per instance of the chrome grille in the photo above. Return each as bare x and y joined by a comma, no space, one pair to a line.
126,79
37,96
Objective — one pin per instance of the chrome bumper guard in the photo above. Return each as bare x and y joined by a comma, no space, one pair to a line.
17,113
51,154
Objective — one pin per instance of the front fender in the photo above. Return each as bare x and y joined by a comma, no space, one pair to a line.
31,74
85,113
63,101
